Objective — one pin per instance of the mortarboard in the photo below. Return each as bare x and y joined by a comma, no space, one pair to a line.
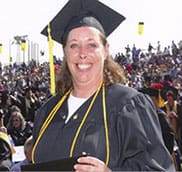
150,91
170,90
78,13
157,86
155,90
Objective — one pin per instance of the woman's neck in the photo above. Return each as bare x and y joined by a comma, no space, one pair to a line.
85,91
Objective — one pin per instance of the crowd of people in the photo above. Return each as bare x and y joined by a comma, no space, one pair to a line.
23,88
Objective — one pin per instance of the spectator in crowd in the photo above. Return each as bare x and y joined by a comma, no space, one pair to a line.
6,148
5,105
14,108
174,111
158,52
127,48
174,49
150,48
28,153
134,51
29,104
18,128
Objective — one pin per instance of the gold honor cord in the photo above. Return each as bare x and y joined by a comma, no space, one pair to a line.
46,123
83,121
105,124
53,112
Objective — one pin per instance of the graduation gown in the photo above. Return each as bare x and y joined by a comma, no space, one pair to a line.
5,156
167,131
135,139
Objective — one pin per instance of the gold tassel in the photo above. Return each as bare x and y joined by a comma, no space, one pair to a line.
161,100
51,61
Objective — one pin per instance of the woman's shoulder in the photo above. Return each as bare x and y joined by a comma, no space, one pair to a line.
51,100
49,104
121,95
119,90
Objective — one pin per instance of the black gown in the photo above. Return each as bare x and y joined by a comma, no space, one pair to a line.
135,139
5,156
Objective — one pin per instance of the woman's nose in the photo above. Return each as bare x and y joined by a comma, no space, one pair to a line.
82,53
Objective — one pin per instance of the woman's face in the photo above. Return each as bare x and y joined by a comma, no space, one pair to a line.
170,96
85,54
16,122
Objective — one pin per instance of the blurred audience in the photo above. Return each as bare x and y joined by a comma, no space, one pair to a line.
6,148
28,156
18,128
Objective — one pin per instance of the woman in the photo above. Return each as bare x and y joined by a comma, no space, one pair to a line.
92,112
18,128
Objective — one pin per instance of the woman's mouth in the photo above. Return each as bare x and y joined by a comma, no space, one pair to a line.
83,66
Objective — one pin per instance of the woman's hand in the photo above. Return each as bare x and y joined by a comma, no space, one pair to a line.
173,115
90,164
3,129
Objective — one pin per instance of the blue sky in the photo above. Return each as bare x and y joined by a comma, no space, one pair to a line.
162,21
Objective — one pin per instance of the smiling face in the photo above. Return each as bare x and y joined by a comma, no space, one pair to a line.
85,54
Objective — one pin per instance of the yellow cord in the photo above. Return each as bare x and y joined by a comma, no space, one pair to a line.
55,109
83,121
105,125
47,122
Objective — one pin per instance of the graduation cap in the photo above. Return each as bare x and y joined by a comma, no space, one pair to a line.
171,91
150,91
77,13
155,90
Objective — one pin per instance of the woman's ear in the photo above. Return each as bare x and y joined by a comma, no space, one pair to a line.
64,56
106,50
63,51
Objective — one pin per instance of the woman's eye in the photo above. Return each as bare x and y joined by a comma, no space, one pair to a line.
73,45
92,45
